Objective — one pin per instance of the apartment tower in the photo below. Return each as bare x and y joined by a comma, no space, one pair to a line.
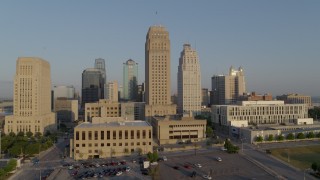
157,69
92,84
31,98
189,81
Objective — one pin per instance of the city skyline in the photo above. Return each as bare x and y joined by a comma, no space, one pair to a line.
277,43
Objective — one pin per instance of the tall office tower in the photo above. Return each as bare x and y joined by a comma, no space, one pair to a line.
100,64
141,93
32,98
112,91
189,81
130,80
227,89
92,83
204,97
157,69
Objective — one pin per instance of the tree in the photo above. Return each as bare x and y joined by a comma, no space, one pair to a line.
48,133
290,136
20,134
37,134
300,136
259,139
280,137
12,134
270,137
318,135
29,134
314,166
311,135
209,131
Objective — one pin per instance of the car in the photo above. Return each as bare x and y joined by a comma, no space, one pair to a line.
154,163
176,167
160,159
223,149
218,159
145,171
134,161
198,165
128,169
74,173
164,158
70,167
187,166
193,174
207,176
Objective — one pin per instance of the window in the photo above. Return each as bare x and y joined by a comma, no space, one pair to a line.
114,134
114,144
83,135
132,144
102,144
77,145
90,145
83,145
138,134
96,145
108,144
144,143
126,144
102,135
77,135
149,134
138,143
95,135
132,134
90,135
120,134
108,134
126,134
120,144
143,134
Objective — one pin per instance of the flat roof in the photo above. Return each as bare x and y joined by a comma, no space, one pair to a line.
114,124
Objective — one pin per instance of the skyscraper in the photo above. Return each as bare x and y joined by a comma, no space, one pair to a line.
226,89
157,69
100,64
92,84
130,80
189,81
32,98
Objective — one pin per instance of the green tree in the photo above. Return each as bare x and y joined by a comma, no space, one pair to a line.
280,137
2,173
227,144
314,166
29,134
300,136
311,135
314,113
12,164
12,134
290,136
37,134
48,133
259,138
20,134
209,131
318,135
270,137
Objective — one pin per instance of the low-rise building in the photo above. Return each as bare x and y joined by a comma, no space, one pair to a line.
66,109
258,112
296,99
172,130
255,97
101,140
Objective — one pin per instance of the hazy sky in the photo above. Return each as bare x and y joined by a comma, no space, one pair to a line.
276,42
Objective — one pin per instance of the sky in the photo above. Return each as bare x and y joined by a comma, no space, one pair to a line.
276,42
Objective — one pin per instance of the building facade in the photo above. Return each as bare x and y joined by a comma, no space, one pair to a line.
102,140
92,85
204,97
66,109
112,91
157,72
255,97
130,80
296,99
99,64
189,81
172,130
64,92
227,88
31,98
258,112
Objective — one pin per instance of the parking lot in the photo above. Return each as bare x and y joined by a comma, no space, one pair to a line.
230,166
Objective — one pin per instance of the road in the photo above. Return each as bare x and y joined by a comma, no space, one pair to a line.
48,160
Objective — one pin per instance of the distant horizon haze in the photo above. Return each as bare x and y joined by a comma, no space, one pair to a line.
276,42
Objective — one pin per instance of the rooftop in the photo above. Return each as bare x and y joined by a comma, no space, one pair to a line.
113,124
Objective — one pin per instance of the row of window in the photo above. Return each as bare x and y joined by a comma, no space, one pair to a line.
116,134
113,144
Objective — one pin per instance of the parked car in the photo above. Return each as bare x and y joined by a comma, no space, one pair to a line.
223,149
193,174
176,167
119,173
187,166
198,165
218,159
207,176
164,158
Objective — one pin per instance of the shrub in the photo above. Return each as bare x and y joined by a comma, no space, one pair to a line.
290,136
280,137
300,136
259,139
